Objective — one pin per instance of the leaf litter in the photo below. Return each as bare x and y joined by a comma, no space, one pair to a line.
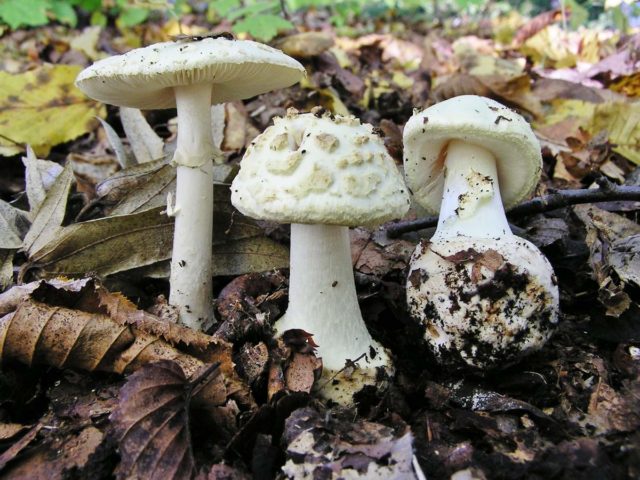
568,411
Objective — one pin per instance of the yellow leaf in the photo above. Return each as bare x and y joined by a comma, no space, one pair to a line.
43,108
622,123
629,85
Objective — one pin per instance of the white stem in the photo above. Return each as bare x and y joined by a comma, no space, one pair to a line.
191,258
471,203
322,294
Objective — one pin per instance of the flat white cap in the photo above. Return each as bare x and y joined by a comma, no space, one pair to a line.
317,168
144,78
482,122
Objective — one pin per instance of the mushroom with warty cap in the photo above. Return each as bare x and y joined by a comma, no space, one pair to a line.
191,75
323,174
484,296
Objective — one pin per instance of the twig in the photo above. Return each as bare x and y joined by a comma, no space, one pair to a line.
607,192
283,8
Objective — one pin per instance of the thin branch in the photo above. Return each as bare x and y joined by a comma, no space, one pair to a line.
607,192
283,8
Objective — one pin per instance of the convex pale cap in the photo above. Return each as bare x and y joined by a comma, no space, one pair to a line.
318,168
144,78
482,122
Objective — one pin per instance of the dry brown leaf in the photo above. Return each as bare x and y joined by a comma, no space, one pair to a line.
302,371
152,424
534,25
10,430
59,455
306,44
37,333
14,450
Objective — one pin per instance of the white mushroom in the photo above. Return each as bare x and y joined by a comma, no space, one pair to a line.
323,174
191,75
484,296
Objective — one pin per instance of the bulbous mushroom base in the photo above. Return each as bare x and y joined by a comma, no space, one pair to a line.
343,384
482,302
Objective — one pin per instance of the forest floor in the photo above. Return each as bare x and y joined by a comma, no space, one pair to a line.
96,381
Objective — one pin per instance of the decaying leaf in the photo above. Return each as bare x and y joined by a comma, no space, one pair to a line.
610,240
37,333
39,177
337,448
104,331
47,220
124,158
13,226
152,424
20,445
145,143
43,108
69,451
105,246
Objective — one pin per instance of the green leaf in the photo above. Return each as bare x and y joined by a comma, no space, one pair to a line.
130,17
251,10
262,27
63,12
579,14
224,7
18,13
98,19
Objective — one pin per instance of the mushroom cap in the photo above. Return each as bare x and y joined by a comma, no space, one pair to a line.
145,77
480,121
317,168
482,302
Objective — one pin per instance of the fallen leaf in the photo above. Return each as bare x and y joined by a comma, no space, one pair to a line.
48,218
33,180
152,424
104,246
58,455
43,108
37,333
124,158
87,41
534,25
145,143
13,226
6,268
302,371
15,449
306,44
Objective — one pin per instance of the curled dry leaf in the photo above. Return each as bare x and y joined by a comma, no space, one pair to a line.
37,333
152,424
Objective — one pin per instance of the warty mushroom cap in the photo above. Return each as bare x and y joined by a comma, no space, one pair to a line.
482,122
317,168
144,78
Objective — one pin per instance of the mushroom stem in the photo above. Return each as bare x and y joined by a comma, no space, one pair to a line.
322,294
191,285
471,203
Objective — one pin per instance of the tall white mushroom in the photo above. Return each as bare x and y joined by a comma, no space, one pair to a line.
484,296
190,75
323,174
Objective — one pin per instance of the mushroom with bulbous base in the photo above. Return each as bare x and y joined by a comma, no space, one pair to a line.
323,174
484,296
